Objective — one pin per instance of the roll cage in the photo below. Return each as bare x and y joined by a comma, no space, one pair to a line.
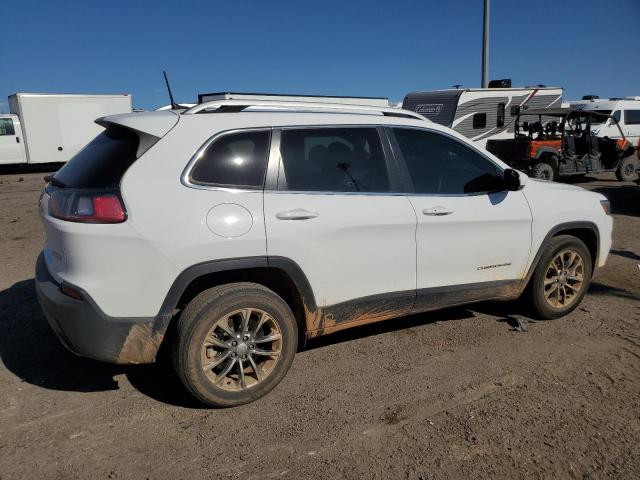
563,121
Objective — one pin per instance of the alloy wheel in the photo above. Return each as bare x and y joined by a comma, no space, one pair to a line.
241,349
564,279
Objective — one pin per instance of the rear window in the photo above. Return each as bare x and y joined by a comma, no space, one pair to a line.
102,163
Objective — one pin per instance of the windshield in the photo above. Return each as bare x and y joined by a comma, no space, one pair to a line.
597,119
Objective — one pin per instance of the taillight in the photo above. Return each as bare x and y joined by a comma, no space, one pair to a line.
86,206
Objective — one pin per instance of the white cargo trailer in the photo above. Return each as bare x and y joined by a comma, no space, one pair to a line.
44,128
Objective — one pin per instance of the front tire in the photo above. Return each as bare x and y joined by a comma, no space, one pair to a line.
626,171
234,343
543,171
561,278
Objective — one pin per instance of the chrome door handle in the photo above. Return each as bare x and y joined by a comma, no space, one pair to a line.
296,214
437,211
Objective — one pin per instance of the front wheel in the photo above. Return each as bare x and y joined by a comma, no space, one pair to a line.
234,343
626,171
561,278
543,171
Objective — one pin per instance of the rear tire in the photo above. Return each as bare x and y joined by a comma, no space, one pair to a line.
543,171
234,343
561,278
626,171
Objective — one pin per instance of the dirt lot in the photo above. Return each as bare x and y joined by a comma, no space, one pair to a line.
453,394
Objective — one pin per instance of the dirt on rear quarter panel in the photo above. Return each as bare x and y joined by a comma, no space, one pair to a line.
141,344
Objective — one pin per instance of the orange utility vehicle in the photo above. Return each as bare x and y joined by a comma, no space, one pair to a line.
554,142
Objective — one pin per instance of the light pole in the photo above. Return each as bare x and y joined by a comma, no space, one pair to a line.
485,46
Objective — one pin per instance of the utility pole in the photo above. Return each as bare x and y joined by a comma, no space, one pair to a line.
485,46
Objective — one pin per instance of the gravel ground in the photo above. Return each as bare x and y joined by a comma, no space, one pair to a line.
459,393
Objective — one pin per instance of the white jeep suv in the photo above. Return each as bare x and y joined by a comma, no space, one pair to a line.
235,230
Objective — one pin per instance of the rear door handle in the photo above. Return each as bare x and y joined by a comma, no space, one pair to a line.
296,214
437,211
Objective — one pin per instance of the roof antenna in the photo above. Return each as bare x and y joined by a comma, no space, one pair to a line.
174,105
456,86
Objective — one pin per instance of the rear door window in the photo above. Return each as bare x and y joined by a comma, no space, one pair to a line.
102,163
333,160
234,160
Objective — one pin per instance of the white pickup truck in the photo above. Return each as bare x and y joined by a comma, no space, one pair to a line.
47,128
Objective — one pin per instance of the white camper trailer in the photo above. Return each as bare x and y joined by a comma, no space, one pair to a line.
482,113
44,128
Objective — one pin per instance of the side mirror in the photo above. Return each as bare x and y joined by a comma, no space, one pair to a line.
511,180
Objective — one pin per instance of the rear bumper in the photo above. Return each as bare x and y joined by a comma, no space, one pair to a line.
85,330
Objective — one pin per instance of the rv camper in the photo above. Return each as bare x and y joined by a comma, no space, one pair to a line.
482,113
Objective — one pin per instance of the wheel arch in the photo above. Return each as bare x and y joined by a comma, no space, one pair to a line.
280,274
585,231
548,154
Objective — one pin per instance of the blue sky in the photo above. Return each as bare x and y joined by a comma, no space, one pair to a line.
329,47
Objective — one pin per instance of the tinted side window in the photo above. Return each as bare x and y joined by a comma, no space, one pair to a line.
632,117
439,164
333,160
500,115
6,127
237,159
479,120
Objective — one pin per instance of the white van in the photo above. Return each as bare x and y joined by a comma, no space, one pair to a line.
625,111
48,128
